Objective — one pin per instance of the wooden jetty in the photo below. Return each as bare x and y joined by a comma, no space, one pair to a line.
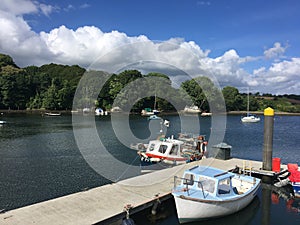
105,204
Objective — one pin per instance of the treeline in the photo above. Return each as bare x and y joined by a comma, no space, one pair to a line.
52,87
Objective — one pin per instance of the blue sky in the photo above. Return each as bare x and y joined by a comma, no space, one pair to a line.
242,43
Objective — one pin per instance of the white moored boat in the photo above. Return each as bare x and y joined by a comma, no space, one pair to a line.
52,114
167,152
207,192
192,109
250,119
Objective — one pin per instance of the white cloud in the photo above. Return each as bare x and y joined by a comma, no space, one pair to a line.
84,6
116,50
69,7
18,7
275,52
46,9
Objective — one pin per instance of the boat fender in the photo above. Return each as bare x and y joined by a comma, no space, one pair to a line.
155,206
128,221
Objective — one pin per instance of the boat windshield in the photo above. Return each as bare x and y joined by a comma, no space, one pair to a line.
174,150
188,179
152,146
163,148
207,184
224,186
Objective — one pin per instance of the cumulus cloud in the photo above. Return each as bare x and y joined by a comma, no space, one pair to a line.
276,51
18,7
90,47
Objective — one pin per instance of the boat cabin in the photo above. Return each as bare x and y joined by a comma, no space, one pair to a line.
165,148
209,182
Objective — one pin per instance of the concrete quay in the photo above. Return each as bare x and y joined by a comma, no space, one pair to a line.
105,204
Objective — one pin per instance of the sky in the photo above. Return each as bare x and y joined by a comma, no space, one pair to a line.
238,43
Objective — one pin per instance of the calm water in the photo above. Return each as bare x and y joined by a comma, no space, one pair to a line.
39,160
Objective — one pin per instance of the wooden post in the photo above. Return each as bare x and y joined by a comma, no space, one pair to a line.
268,138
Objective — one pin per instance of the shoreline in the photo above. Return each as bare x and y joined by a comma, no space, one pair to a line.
262,113
42,111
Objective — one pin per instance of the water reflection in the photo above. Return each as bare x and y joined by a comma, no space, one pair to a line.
242,217
279,205
167,215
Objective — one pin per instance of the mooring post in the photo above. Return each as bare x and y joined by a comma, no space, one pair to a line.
268,138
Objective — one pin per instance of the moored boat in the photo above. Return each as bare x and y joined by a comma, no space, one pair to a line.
154,117
294,178
207,192
250,119
168,152
52,114
192,109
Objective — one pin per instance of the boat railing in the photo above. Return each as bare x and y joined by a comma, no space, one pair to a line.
189,182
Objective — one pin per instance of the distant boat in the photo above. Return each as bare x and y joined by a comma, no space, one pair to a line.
52,114
86,110
2,122
116,109
206,114
192,109
149,111
207,192
100,112
250,118
154,117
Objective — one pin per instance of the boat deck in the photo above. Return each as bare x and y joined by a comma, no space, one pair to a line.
106,203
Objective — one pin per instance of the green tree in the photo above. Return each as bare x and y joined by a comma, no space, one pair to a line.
233,99
203,93
50,99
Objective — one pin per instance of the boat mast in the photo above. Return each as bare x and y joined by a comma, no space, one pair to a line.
248,104
154,107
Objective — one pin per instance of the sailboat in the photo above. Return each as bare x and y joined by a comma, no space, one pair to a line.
149,111
250,118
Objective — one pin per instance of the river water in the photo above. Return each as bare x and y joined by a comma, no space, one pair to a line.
40,160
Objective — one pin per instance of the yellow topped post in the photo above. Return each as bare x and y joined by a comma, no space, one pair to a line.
269,111
268,138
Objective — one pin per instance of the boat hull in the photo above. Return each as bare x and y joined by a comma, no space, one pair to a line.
250,119
155,164
189,209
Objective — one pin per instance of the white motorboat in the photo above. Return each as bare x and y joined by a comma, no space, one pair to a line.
192,109
206,114
168,152
100,112
52,114
250,119
207,192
